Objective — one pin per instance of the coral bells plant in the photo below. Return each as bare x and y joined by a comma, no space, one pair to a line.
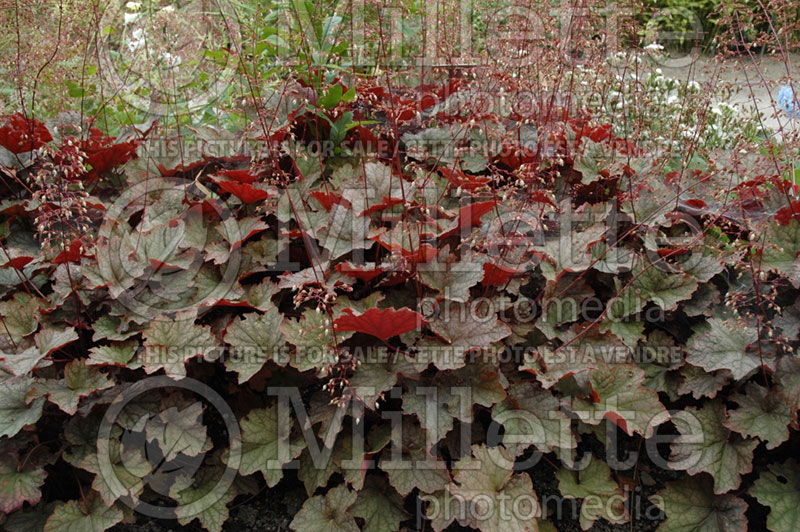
473,332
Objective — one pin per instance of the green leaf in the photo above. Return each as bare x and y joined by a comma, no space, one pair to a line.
604,497
92,515
724,346
410,465
169,344
706,445
18,486
20,316
486,483
202,497
115,354
450,277
779,489
345,231
254,339
327,513
780,250
30,519
377,374
179,431
268,444
762,413
465,328
15,410
80,380
312,336
655,282
380,506
532,416
692,506
621,398
128,469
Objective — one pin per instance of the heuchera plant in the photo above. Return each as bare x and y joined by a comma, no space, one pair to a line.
425,322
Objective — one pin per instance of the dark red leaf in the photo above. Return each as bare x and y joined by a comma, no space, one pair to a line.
326,199
71,254
246,193
381,323
469,216
19,134
785,215
457,178
240,176
358,272
496,275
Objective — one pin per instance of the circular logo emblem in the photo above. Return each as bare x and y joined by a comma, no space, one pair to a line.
168,55
154,435
152,250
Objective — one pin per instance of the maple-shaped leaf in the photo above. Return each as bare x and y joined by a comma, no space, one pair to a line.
618,395
245,228
247,193
364,272
344,232
660,364
19,483
113,328
706,445
788,379
464,327
20,316
30,519
780,250
115,354
20,134
583,348
327,513
779,490
254,339
345,455
723,345
202,497
381,323
179,431
691,505
532,416
15,409
89,515
459,179
169,344
657,283
80,380
435,407
379,505
762,413
50,339
378,186
450,277
486,483
595,483
103,154
124,477
570,251
377,374
700,383
268,443
312,336
408,463
469,218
